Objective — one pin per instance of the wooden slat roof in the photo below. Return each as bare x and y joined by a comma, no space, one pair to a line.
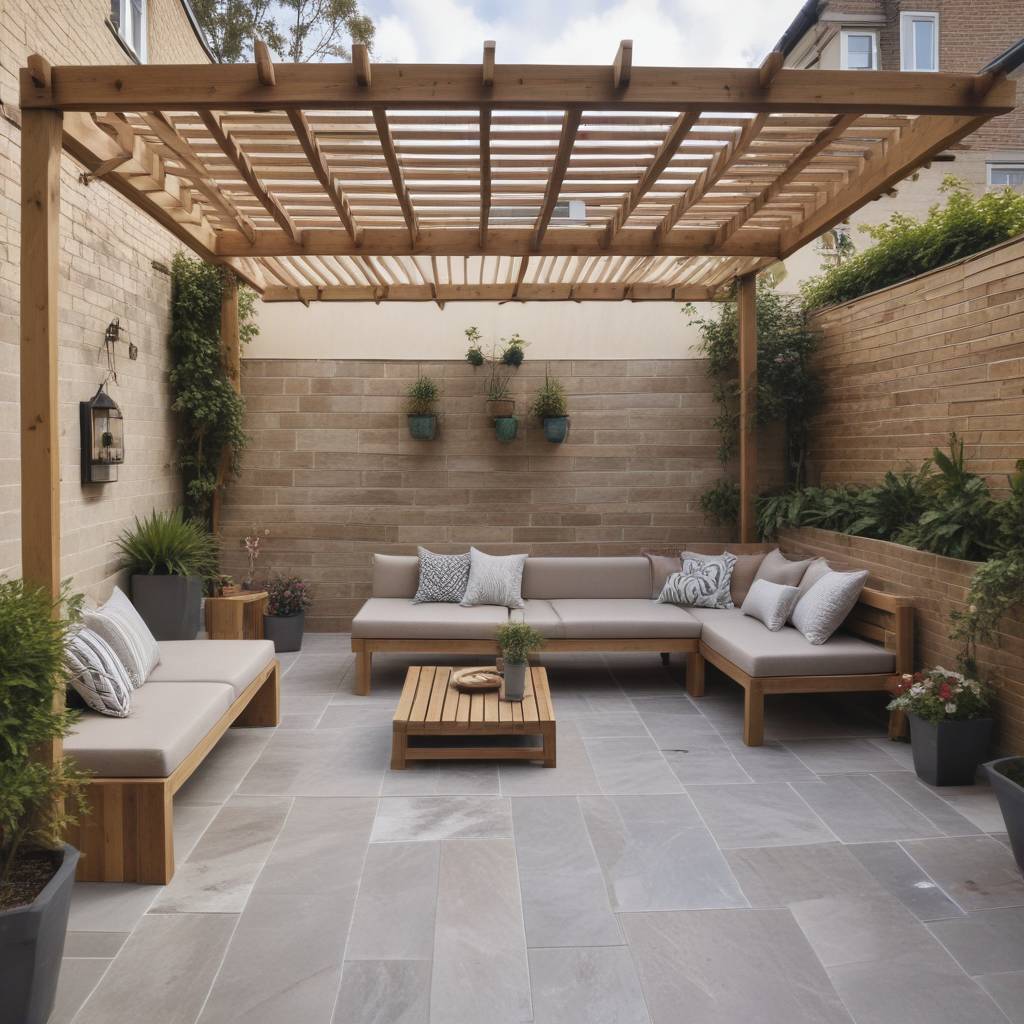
439,182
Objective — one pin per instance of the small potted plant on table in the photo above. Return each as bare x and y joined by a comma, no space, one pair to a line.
422,396
1006,774
551,407
950,724
517,641
38,799
169,559
288,598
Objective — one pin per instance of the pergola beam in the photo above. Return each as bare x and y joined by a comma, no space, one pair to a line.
520,291
387,144
570,125
747,322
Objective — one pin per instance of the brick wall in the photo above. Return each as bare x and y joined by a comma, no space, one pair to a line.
904,366
938,586
107,250
335,476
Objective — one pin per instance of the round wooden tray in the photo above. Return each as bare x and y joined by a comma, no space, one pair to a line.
479,679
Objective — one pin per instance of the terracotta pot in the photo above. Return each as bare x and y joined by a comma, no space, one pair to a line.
500,407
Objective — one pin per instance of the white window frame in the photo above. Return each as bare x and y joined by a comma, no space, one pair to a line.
844,52
1000,164
907,19
124,26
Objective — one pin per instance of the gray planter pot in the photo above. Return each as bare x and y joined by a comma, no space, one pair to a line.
515,680
556,428
31,947
423,428
285,631
169,605
1011,802
948,753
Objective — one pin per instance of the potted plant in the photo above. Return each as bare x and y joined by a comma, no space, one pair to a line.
551,407
512,353
474,354
1006,774
288,598
169,559
517,641
499,403
38,800
421,396
950,724
252,552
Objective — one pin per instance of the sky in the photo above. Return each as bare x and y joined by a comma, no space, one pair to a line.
697,33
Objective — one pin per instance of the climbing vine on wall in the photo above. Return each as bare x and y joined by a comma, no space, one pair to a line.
211,439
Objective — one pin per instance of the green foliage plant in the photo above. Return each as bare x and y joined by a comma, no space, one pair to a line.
550,401
720,503
211,438
474,354
518,641
905,247
512,353
421,396
168,544
38,800
287,596
940,695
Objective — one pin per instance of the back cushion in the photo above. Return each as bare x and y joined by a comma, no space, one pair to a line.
548,579
395,575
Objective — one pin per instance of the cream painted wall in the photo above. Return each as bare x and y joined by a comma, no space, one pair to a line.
419,330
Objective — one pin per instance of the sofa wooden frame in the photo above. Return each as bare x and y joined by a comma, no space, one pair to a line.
127,834
882,618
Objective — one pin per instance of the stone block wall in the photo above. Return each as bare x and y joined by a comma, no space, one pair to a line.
334,475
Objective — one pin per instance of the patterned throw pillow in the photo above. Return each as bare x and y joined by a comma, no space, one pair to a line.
703,583
443,578
120,607
821,611
122,641
494,579
97,676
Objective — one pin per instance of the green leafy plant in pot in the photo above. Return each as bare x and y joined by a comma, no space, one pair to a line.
517,641
950,724
421,396
288,597
38,800
551,407
512,353
169,558
474,354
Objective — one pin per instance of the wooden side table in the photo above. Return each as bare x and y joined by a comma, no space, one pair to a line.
236,617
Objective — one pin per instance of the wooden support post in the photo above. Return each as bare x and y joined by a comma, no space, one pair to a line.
753,714
695,674
747,314
231,354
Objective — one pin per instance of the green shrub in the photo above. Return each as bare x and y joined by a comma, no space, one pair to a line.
421,395
720,503
550,400
168,544
905,247
518,641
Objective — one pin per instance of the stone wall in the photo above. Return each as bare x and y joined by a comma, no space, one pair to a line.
938,587
334,475
107,254
904,366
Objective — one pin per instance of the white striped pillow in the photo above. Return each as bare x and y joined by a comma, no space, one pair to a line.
119,606
97,675
123,642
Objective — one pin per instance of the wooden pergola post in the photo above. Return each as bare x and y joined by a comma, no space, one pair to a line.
746,300
231,355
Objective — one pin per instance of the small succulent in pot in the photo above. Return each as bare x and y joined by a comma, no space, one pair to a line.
512,354
474,354
288,597
551,407
421,397
517,641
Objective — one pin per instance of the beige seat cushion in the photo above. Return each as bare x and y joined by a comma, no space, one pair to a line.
760,652
624,619
396,618
167,722
543,617
235,662
547,579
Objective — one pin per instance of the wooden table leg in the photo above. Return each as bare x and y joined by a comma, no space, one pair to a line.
549,746
753,714
399,745
695,674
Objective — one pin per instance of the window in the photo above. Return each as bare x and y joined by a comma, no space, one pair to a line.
919,41
1006,176
129,18
859,50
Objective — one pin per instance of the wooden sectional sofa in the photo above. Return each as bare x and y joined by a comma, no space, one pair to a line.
606,604
137,764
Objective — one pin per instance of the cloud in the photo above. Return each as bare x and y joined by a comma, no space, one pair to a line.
664,32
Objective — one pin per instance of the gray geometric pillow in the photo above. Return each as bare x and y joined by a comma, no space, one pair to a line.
443,578
703,583
821,611
97,675
494,579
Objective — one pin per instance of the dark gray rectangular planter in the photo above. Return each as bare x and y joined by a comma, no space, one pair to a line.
169,605
285,631
1011,802
31,947
948,753
514,686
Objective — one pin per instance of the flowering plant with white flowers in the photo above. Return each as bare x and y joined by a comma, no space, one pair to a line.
940,695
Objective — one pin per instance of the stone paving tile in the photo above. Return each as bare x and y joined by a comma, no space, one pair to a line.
892,867
573,776
1007,991
759,814
841,756
384,992
985,941
929,802
581,986
976,872
405,819
631,765
78,977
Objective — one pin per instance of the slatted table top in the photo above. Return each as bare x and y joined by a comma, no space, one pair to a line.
429,702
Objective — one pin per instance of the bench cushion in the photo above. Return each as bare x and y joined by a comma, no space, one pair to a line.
543,617
395,575
760,652
234,662
624,619
549,578
396,618
167,722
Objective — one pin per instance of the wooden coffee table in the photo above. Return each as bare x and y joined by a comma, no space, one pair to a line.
431,707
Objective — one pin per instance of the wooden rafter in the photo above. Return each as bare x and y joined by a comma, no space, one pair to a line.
485,174
570,125
387,144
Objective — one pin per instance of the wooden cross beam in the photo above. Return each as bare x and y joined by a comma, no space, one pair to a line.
387,144
570,125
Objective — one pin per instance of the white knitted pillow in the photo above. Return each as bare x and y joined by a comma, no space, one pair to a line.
145,643
494,579
770,603
821,611
97,675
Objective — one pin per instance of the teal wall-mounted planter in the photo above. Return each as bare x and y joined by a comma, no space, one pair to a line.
506,428
423,428
556,428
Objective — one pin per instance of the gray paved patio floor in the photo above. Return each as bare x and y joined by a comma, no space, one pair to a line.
663,873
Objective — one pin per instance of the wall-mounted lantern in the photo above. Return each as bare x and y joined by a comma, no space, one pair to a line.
102,438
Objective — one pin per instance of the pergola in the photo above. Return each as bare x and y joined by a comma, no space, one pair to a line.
398,182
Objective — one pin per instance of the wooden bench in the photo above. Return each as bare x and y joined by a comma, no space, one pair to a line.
127,834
